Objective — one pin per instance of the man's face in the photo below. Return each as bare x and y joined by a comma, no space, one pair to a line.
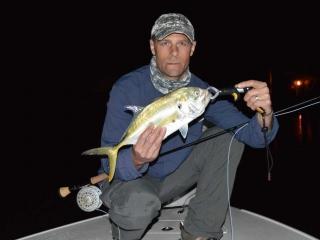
173,54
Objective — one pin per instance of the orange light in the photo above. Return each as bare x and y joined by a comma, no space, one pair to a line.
298,83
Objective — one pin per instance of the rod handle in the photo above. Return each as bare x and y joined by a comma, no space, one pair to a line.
65,191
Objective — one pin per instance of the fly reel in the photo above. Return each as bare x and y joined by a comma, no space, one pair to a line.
88,198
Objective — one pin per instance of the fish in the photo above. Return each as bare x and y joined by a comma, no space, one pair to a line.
174,111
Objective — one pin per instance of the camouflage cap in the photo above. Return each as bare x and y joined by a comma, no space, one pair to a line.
170,23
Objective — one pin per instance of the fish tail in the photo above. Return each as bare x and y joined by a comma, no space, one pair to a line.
111,152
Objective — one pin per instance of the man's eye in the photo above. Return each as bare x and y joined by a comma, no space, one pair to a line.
184,43
164,43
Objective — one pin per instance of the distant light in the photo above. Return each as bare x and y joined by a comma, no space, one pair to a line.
298,83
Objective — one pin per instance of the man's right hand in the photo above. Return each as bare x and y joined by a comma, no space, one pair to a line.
148,146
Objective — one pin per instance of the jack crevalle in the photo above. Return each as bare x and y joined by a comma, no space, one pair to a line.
174,111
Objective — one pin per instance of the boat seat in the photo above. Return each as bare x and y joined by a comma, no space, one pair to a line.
183,200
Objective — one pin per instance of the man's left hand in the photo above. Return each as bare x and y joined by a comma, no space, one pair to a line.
258,97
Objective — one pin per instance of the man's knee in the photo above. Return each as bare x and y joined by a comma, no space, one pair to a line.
135,211
133,206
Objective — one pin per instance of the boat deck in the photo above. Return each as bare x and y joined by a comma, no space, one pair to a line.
246,226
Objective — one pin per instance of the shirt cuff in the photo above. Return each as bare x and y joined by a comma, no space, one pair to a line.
271,133
126,169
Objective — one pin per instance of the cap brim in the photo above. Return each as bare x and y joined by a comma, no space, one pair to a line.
165,34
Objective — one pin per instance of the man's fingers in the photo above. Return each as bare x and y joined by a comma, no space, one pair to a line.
256,92
143,138
251,83
149,141
155,137
155,146
262,101
152,136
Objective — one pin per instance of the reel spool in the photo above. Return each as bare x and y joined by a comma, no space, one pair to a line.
88,198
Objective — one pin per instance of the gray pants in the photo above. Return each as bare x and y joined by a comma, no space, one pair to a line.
133,205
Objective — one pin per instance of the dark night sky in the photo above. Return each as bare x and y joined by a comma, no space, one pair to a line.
67,57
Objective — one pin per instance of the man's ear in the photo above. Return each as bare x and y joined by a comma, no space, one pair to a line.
152,47
194,43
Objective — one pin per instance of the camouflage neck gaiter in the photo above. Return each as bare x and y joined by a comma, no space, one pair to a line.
164,85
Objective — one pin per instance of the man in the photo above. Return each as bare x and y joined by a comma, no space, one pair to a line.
143,179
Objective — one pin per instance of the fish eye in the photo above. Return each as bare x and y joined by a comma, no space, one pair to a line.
197,93
179,105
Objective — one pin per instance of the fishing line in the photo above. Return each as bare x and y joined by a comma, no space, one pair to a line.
238,128
268,156
309,105
100,210
296,105
203,139
231,129
235,130
228,187
119,232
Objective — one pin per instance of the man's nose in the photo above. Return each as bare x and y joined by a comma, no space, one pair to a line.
174,50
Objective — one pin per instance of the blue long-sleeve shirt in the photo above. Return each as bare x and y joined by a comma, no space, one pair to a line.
136,88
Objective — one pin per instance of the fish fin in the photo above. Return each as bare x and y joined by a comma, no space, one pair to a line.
235,96
134,109
112,156
184,130
111,152
96,151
